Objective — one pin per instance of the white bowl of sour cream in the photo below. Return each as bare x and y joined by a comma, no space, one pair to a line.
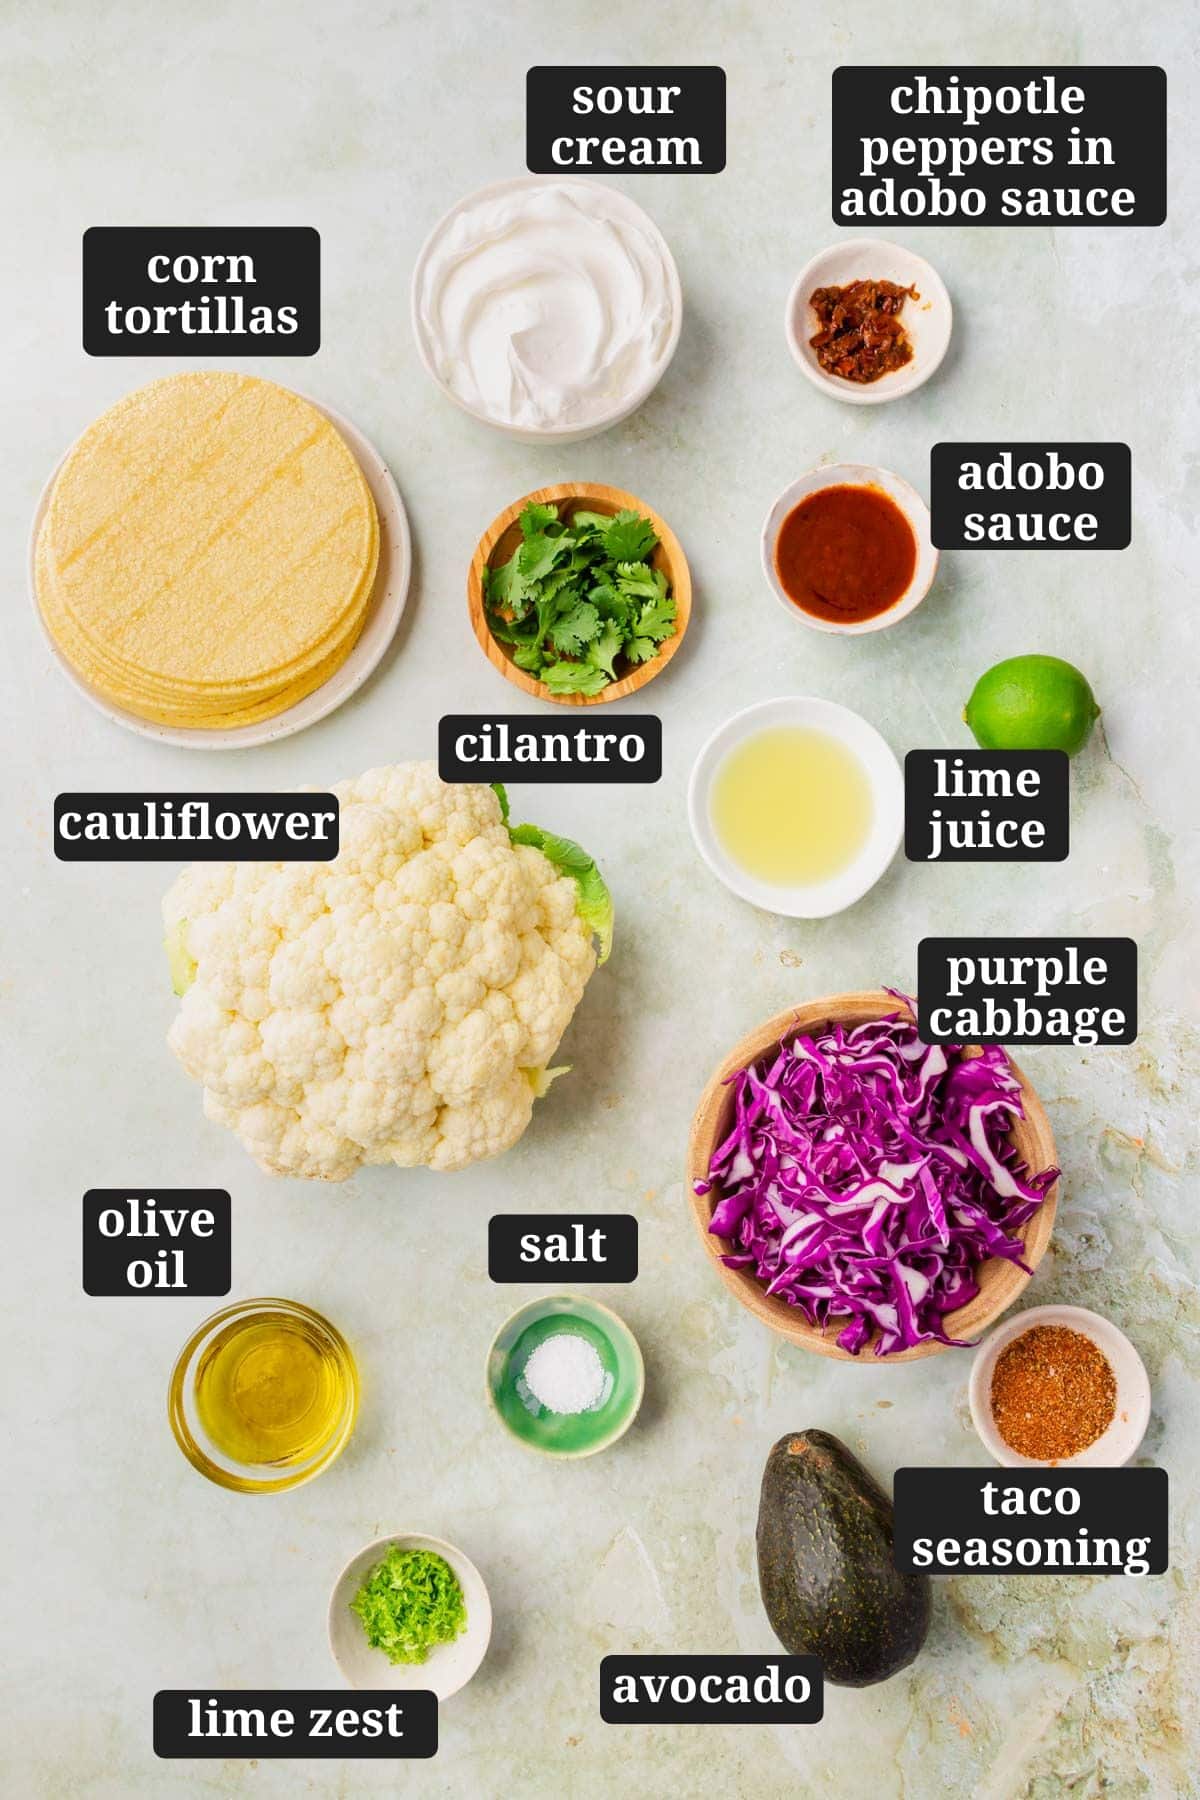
547,309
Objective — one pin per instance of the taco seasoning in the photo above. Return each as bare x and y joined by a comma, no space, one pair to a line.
845,553
1053,1393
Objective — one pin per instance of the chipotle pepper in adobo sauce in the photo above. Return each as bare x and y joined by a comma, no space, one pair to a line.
845,554
861,337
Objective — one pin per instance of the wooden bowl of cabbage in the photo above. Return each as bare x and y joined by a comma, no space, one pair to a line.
1000,1282
502,538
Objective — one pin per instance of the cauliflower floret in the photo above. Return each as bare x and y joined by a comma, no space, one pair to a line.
396,1005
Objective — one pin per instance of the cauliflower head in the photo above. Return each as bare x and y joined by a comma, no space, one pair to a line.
396,1005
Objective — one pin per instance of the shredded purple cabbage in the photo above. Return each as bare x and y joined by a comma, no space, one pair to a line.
867,1176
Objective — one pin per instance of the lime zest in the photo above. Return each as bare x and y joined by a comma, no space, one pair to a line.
410,1603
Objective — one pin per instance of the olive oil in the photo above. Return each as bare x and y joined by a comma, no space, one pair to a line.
270,1390
791,805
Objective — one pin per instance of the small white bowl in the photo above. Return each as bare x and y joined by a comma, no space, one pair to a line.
449,1666
550,434
818,899
927,320
1132,1414
854,475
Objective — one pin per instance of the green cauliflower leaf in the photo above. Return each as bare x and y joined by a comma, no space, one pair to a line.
628,538
593,899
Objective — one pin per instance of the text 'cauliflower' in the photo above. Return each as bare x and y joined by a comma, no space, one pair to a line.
398,1004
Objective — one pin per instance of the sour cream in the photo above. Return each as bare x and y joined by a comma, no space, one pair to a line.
547,307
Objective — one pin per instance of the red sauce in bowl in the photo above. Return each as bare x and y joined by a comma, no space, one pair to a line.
845,554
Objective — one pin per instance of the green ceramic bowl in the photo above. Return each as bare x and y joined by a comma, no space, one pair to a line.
565,1434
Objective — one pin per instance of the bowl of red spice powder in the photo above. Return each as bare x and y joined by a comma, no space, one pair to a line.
1059,1384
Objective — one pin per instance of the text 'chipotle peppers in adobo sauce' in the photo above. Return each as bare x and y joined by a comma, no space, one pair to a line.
861,337
845,554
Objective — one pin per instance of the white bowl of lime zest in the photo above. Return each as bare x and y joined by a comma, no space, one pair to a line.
548,309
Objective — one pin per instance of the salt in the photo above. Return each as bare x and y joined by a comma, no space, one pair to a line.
565,1375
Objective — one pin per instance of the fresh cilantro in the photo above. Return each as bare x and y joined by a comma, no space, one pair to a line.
554,584
579,596
604,650
572,630
574,678
503,586
538,555
536,518
640,581
657,619
529,657
612,605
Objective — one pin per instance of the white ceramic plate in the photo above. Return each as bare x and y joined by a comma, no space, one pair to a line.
819,899
567,434
928,320
383,616
1132,1414
854,475
449,1666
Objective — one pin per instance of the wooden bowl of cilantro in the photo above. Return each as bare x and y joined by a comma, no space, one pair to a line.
579,593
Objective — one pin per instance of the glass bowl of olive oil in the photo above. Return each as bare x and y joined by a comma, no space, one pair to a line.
263,1396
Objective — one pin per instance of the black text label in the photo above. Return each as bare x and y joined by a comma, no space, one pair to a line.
516,747
999,146
591,1246
986,805
308,1722
713,1690
286,827
229,290
1027,990
1030,496
156,1241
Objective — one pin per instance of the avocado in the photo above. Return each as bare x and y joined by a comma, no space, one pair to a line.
826,1572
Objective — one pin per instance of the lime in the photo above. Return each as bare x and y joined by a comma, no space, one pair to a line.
1032,703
